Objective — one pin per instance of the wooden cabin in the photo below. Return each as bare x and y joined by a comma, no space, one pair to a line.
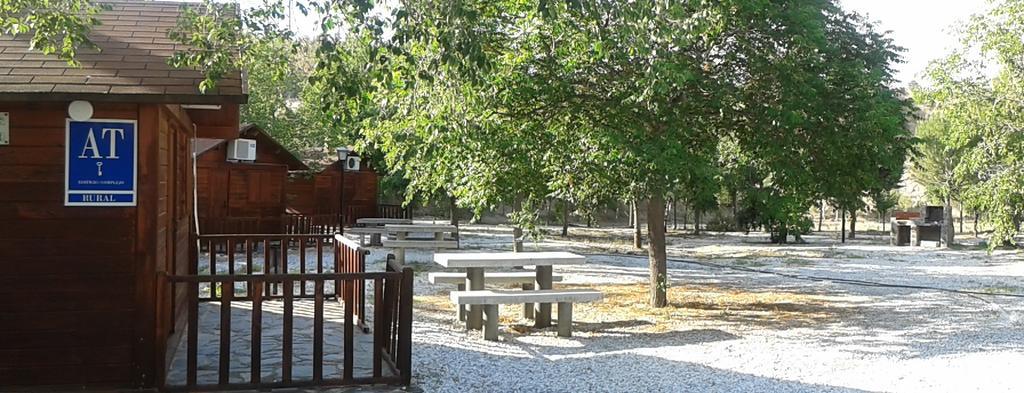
96,210
242,196
321,193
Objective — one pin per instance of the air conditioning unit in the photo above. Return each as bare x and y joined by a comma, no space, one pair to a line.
242,150
352,164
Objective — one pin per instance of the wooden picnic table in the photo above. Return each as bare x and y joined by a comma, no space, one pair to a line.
476,262
402,240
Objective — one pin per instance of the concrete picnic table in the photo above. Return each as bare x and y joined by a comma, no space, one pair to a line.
401,233
371,222
476,262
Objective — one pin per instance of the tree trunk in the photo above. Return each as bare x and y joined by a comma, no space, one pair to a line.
821,214
517,232
735,212
842,226
632,214
961,217
675,214
638,239
565,218
947,224
453,211
696,222
976,218
853,224
656,250
881,221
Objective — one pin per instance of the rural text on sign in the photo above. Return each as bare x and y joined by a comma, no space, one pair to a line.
100,163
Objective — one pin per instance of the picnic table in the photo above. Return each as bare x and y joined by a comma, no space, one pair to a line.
374,227
399,237
476,263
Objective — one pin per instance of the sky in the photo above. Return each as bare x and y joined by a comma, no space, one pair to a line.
922,27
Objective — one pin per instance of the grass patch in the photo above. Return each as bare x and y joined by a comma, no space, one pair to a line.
999,290
627,307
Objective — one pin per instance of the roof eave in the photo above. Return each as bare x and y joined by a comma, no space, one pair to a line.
130,98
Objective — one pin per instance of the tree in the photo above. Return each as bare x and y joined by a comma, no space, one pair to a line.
976,92
883,202
57,27
934,167
490,102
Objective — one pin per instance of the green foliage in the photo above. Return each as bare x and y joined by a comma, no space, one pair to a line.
221,40
934,165
975,97
57,27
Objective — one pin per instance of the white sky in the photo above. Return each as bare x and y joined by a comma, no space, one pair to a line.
923,27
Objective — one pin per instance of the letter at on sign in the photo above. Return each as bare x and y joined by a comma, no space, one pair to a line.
5,128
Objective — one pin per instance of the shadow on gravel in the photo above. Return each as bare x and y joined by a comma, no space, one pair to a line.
556,370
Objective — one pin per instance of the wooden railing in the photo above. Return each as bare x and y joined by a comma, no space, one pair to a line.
391,341
254,289
272,254
230,254
324,224
222,225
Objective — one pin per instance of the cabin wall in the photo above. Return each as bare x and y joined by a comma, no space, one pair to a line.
239,197
221,124
81,302
321,193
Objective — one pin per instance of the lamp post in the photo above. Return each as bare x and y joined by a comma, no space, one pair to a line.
343,159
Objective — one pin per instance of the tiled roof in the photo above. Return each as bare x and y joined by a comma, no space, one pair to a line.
130,66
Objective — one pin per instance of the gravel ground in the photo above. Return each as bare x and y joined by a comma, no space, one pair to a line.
795,336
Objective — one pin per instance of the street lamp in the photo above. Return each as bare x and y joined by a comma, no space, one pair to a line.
343,153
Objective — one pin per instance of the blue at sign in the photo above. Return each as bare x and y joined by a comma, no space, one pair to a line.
100,163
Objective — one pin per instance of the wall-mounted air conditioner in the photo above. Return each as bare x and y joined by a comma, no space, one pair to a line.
242,150
352,164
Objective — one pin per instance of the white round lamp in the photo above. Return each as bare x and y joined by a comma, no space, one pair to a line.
80,110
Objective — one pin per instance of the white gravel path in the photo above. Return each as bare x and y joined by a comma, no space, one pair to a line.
898,340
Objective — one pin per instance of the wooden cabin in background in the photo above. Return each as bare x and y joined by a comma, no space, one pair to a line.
320,194
239,194
95,212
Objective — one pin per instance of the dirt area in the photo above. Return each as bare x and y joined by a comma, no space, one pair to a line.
744,315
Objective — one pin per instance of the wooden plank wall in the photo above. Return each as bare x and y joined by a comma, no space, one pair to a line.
67,305
239,190
320,193
82,302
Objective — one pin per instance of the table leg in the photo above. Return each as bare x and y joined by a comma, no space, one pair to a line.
475,282
543,314
528,307
399,251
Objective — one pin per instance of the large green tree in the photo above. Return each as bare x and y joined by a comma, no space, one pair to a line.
976,96
515,102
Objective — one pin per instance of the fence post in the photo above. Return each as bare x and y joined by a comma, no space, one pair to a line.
405,327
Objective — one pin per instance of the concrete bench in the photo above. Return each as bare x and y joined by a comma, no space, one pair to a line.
491,299
425,243
457,278
525,278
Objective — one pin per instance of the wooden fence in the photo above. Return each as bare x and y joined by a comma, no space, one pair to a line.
224,254
323,224
391,317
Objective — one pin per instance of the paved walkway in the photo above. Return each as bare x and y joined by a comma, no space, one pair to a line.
302,352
